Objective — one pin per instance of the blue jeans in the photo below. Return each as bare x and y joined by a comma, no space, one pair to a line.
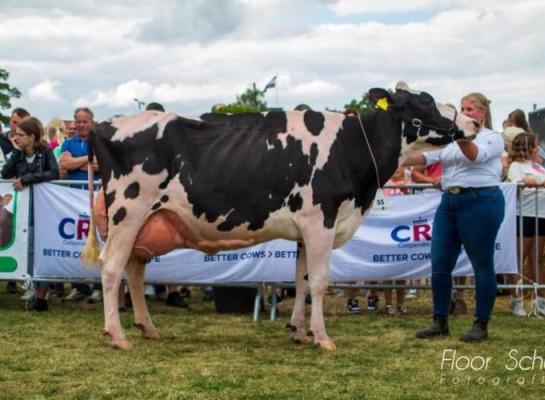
471,219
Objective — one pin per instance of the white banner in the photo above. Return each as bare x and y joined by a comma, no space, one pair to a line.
14,211
391,244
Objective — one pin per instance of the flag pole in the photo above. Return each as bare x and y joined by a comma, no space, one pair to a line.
276,91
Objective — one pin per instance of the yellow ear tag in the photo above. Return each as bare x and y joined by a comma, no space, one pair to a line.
382,104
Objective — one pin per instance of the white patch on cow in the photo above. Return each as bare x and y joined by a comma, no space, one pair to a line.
349,218
332,124
129,126
269,145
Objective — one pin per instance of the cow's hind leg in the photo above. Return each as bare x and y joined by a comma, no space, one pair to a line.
318,245
116,253
297,322
135,278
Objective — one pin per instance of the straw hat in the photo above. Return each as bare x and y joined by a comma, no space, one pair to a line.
510,133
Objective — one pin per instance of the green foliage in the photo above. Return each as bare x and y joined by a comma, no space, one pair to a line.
363,105
235,108
6,93
254,98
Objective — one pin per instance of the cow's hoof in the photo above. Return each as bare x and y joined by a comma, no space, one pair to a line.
147,333
122,345
327,345
301,339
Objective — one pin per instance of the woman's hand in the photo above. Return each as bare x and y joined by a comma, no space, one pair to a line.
529,181
18,186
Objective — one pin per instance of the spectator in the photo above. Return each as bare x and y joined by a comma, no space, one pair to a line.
517,118
31,162
6,144
55,132
69,133
73,166
302,107
524,169
470,213
6,141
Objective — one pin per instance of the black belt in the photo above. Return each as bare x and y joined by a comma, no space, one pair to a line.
459,190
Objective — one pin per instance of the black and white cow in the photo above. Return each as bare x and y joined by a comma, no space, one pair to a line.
225,182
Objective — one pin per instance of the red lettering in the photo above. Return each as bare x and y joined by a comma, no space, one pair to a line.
82,228
421,230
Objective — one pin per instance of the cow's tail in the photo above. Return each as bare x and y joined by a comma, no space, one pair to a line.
91,250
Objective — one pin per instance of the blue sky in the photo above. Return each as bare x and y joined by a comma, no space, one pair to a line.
192,54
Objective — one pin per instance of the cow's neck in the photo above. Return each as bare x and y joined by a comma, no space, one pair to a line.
384,136
383,133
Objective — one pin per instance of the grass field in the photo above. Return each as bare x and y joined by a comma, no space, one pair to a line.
61,354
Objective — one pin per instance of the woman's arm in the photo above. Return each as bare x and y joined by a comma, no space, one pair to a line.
468,148
414,160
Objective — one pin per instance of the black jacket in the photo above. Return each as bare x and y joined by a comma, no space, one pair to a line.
5,145
43,168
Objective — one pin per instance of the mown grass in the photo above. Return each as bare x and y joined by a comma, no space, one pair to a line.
61,354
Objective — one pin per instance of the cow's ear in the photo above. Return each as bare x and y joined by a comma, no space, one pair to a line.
380,98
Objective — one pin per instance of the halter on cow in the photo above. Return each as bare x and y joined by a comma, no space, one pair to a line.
226,182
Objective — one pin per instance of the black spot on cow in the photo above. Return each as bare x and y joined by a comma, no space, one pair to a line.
119,215
156,206
295,202
313,153
241,160
132,190
349,173
164,184
109,199
314,122
164,198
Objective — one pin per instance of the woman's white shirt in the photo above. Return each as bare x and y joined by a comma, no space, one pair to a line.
458,170
516,173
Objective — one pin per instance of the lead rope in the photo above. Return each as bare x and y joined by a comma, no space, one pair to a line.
536,309
370,151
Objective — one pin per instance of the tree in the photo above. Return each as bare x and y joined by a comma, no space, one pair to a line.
362,106
6,93
254,98
249,101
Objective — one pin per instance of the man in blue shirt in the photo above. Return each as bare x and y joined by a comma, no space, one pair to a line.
73,159
73,166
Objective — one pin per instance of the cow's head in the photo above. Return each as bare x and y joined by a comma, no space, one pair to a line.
425,123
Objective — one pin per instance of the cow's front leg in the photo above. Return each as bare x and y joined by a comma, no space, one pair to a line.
318,244
135,278
297,322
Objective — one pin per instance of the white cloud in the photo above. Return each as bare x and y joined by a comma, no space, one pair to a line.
106,53
313,90
44,91
351,7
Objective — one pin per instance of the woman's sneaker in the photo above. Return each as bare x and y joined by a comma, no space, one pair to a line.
390,309
516,305
352,306
539,304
